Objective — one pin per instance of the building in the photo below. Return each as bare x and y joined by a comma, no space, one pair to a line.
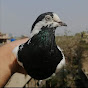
3,38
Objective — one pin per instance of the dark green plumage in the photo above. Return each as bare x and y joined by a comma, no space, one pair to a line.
41,56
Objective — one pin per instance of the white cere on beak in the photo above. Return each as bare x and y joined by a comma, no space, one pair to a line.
56,18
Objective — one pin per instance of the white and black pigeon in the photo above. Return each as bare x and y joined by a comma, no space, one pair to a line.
40,56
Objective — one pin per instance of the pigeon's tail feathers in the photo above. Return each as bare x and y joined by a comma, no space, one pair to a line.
15,52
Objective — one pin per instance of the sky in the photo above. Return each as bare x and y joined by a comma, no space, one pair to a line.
17,16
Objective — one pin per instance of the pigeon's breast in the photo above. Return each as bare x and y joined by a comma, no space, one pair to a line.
41,64
40,57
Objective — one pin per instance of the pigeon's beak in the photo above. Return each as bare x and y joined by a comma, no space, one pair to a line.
62,23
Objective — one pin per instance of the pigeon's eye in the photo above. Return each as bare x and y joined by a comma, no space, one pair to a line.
48,18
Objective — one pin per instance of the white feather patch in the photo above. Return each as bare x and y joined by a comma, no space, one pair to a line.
15,52
56,17
62,62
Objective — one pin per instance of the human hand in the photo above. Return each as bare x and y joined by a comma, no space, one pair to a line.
8,61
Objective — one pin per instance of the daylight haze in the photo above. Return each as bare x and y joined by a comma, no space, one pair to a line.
17,16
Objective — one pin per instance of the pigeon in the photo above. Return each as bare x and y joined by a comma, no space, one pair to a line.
40,56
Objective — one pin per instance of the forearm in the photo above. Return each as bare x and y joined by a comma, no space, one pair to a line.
8,62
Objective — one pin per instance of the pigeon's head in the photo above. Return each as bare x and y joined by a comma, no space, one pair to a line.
49,20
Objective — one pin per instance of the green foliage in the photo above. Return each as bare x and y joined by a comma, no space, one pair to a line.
73,48
84,44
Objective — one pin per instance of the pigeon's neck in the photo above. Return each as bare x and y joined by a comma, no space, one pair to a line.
45,37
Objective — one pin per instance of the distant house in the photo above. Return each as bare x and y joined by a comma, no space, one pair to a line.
3,38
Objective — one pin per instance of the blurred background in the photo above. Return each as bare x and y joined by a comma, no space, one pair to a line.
16,19
17,16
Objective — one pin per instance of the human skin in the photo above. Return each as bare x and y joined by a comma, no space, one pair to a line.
8,61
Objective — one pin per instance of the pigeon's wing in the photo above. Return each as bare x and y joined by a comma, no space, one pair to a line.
62,62
58,68
18,49
15,52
